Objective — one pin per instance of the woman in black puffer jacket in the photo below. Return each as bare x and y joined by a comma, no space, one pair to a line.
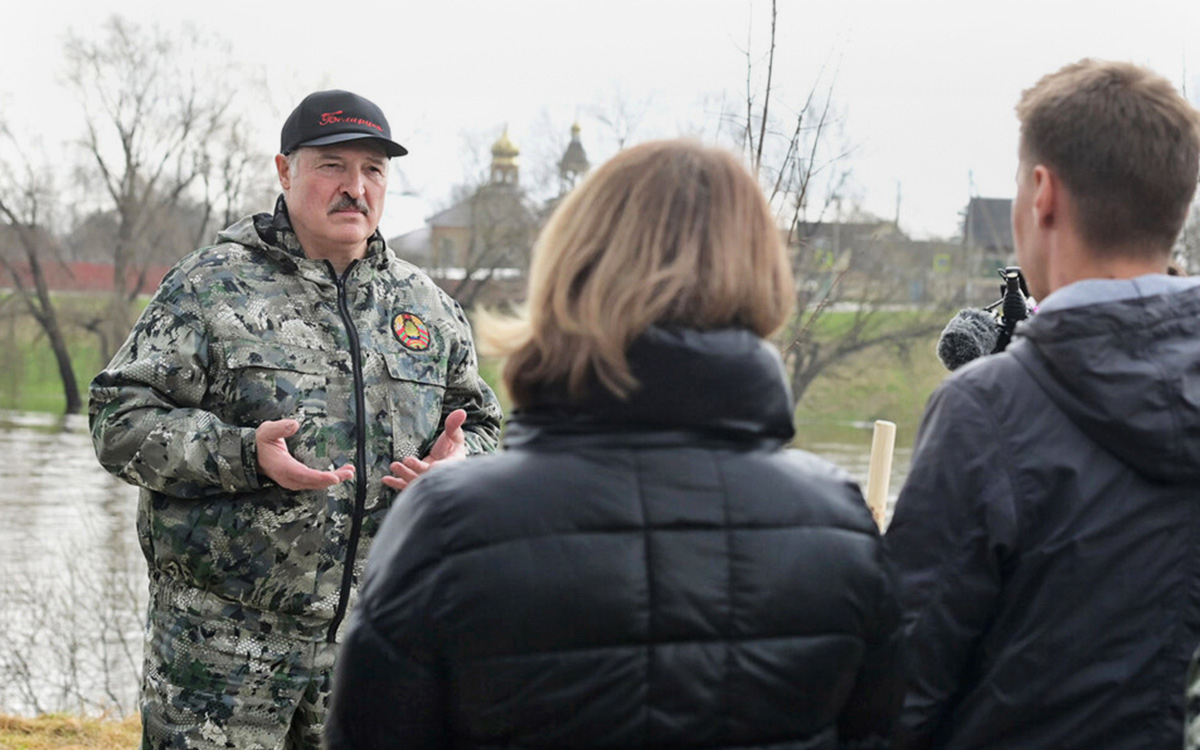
646,565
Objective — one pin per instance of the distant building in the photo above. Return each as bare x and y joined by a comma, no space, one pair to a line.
488,236
505,170
574,163
872,260
413,246
987,232
836,237
492,227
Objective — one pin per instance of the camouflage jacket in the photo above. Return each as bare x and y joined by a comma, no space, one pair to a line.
251,330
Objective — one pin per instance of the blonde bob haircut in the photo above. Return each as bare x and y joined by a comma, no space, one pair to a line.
670,233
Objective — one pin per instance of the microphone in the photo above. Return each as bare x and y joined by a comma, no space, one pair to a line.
969,335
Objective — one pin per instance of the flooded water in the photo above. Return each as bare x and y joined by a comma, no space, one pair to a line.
73,580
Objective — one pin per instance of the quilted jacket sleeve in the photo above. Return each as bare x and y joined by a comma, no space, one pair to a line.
867,720
948,540
147,424
389,691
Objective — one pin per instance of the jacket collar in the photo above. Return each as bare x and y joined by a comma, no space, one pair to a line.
722,385
275,235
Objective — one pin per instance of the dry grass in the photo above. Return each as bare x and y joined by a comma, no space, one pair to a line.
63,732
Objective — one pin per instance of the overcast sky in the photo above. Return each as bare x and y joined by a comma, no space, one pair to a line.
925,89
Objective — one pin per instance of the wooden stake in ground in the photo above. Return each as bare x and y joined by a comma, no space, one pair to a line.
880,471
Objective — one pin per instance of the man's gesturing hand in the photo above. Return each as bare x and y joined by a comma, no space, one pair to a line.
451,445
277,463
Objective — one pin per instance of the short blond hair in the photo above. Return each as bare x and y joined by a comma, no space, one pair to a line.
669,233
1125,143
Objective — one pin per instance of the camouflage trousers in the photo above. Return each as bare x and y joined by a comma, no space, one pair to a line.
220,682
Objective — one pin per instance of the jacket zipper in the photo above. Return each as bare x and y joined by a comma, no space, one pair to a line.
360,454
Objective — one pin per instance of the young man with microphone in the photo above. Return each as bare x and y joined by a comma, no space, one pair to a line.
1045,537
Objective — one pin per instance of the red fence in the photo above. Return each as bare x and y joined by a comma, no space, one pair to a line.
85,277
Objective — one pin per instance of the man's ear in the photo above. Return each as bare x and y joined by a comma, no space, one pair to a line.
281,166
1047,196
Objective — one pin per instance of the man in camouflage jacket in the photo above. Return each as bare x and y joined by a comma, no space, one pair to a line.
278,389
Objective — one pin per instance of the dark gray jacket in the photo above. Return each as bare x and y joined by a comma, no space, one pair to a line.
1048,535
651,573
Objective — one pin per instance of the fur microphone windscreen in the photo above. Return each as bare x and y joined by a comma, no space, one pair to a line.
969,335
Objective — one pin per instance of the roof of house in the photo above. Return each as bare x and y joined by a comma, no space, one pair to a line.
846,233
412,246
988,224
491,203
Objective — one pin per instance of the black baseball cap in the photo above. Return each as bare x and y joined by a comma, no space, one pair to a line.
327,117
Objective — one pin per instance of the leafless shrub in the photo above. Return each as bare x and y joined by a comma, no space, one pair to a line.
71,640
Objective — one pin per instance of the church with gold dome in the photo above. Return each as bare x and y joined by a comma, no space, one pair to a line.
484,241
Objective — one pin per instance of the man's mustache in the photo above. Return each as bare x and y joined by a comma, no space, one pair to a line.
346,202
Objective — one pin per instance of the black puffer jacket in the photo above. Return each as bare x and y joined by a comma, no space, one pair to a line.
1048,536
650,573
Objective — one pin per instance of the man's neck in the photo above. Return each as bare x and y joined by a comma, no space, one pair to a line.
1079,263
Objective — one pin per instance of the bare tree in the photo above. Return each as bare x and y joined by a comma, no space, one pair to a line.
72,644
27,205
164,161
502,227
486,233
620,116
540,155
232,177
856,267
150,104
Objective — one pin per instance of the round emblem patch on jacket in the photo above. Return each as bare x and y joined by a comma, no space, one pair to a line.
411,331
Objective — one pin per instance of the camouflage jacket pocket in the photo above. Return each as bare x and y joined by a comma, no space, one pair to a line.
256,548
416,388
270,381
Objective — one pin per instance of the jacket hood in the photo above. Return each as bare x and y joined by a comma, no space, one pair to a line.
242,232
1128,374
272,234
725,384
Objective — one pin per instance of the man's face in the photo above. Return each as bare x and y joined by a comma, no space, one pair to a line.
1025,237
335,195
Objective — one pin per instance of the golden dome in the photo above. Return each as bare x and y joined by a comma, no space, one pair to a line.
504,148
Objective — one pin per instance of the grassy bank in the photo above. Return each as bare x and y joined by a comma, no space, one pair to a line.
875,384
59,732
29,379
